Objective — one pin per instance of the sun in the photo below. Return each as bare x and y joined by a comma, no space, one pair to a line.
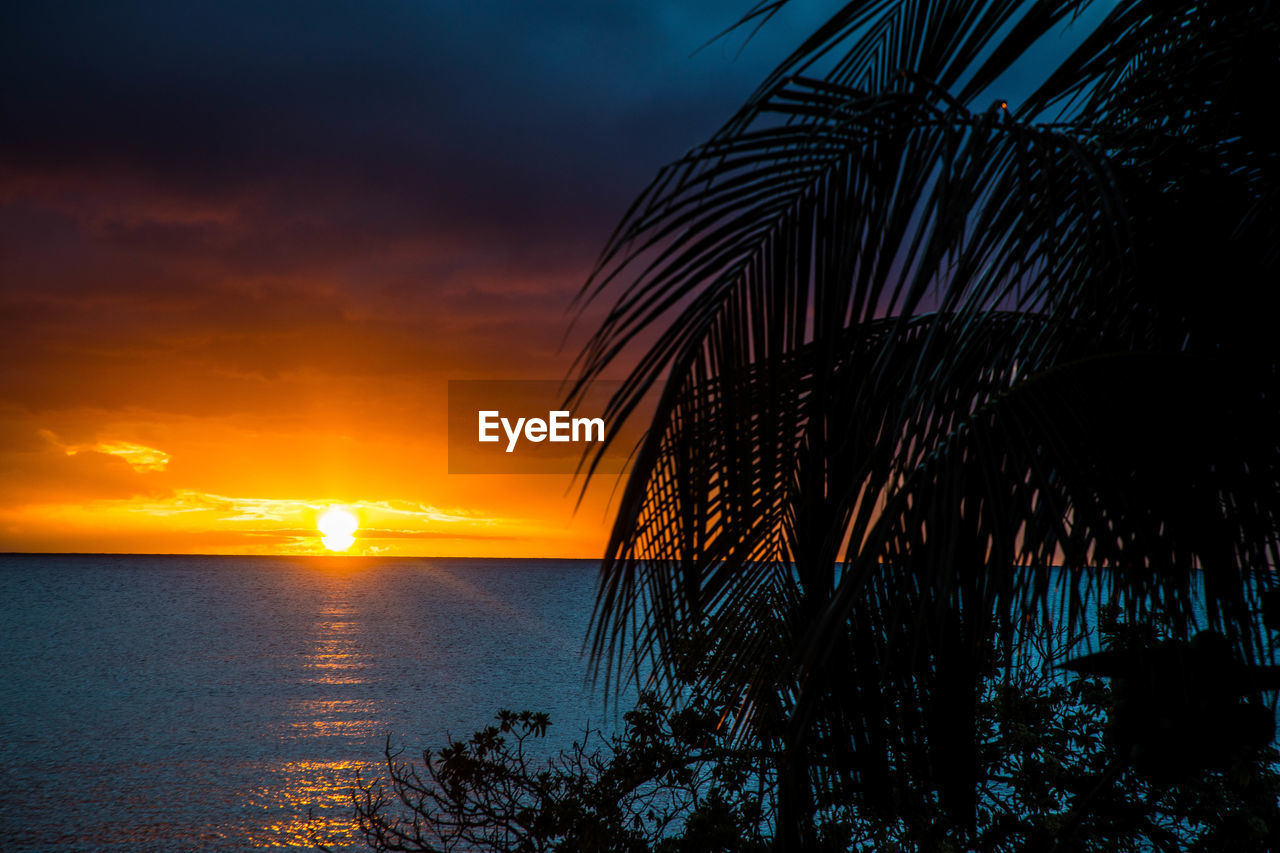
338,528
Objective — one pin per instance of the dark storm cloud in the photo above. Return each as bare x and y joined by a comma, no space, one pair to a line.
432,111
197,199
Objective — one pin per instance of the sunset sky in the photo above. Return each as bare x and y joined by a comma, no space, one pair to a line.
245,246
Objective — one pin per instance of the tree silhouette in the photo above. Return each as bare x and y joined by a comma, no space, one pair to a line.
672,781
939,370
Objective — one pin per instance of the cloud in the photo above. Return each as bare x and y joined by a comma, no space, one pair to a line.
365,535
481,115
253,509
139,457
36,467
201,204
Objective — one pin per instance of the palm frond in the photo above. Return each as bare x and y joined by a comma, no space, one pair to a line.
930,367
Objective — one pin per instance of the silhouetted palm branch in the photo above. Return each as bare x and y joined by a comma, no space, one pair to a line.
929,367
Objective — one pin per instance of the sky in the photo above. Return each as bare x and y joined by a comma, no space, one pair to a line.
244,247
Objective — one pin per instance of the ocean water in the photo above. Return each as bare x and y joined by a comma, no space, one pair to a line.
227,703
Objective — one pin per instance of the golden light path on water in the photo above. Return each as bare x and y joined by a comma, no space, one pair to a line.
313,805
311,800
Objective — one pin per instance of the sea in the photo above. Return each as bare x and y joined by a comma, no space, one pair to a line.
229,703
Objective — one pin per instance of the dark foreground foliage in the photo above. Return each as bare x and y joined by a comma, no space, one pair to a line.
666,782
1054,777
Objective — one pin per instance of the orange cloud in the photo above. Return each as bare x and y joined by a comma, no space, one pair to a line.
137,456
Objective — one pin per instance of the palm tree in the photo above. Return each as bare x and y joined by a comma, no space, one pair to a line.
940,372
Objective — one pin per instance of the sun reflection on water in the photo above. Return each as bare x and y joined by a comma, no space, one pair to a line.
309,802
335,651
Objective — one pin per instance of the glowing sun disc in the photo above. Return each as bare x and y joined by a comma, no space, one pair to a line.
338,528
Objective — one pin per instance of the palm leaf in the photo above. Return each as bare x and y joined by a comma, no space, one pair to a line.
928,370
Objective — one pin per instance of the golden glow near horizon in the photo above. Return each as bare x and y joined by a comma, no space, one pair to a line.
199,485
339,528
